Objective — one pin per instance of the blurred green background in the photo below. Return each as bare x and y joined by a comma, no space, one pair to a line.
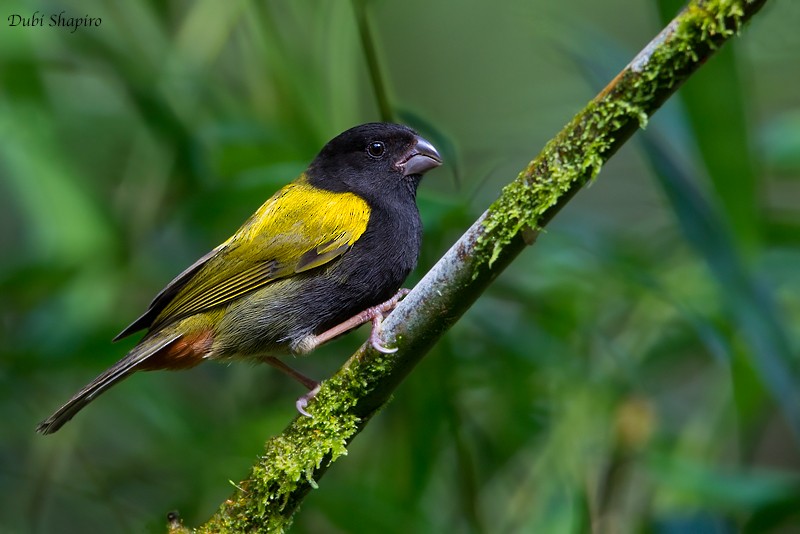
635,371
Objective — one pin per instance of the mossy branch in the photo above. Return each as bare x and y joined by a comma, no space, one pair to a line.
294,461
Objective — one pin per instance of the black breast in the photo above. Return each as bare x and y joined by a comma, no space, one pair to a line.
376,266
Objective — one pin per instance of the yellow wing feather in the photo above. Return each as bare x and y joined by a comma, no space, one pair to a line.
300,228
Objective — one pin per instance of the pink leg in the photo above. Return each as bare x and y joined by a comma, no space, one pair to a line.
374,314
312,385
297,375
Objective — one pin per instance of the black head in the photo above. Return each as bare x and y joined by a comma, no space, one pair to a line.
375,161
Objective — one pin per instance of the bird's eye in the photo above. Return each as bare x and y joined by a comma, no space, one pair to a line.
376,149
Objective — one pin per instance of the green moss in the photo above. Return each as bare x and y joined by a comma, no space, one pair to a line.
716,18
573,157
577,154
266,500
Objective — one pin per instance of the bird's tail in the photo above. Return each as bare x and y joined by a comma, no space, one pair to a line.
96,387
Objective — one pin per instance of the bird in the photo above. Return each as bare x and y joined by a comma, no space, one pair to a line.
325,254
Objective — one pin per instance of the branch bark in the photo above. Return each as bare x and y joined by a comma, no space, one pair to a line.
296,459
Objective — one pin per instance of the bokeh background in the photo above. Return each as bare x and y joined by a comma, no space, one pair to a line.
635,371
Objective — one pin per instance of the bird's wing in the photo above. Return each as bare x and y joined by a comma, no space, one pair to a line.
300,228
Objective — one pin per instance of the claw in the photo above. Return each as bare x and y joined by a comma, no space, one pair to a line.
376,344
302,402
374,337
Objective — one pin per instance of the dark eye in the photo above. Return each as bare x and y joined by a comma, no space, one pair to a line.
376,149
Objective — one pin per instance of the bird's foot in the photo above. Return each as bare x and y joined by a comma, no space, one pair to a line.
375,314
302,402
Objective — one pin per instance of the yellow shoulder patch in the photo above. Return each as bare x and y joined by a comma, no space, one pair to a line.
307,217
300,228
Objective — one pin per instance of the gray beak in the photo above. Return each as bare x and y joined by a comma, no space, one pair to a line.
420,159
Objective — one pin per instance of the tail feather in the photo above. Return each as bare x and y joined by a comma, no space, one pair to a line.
99,385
